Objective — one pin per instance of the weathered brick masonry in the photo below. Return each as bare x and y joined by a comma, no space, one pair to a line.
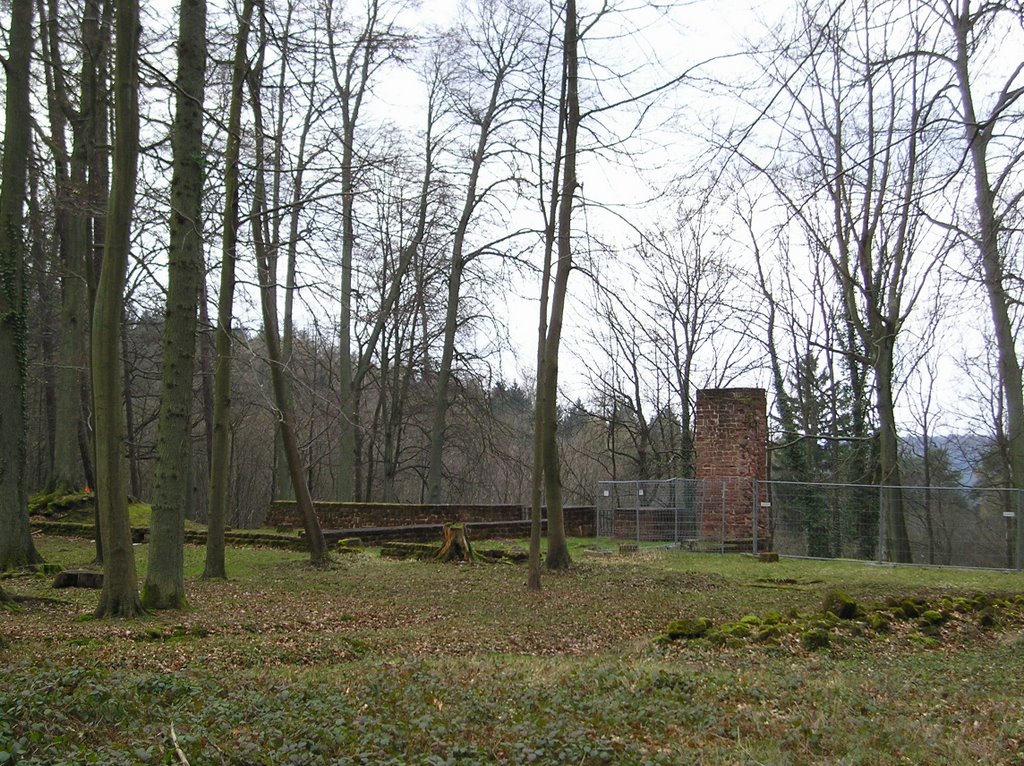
731,448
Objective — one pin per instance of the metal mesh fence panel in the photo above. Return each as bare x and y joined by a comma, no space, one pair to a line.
948,526
824,520
700,515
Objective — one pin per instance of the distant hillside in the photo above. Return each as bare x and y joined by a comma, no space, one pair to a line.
965,452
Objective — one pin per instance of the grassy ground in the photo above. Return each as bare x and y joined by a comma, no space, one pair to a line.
376,662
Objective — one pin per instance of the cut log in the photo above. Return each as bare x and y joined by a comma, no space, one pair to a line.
455,546
78,578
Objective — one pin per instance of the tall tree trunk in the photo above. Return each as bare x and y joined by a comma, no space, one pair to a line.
558,550
888,455
120,597
206,369
551,214
131,446
16,547
172,491
220,463
282,489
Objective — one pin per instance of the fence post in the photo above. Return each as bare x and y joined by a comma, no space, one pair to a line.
1020,530
754,515
882,539
675,511
636,496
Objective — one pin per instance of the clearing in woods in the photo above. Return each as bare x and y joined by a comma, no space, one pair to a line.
377,661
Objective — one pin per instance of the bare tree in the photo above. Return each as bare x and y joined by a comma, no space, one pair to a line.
856,139
266,260
81,181
989,136
547,373
372,44
493,48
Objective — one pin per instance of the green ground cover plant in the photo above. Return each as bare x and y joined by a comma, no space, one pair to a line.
377,661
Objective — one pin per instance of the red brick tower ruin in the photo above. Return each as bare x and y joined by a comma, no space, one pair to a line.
732,454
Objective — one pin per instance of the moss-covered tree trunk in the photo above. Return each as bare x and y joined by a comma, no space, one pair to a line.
220,462
16,548
282,478
165,577
120,597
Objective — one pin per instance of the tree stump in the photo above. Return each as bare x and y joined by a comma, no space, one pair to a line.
455,546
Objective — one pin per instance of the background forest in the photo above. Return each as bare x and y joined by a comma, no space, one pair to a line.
828,207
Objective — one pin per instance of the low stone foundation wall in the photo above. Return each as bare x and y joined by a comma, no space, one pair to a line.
359,519
192,536
335,515
430,533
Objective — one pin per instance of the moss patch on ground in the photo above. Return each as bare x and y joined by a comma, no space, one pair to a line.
916,618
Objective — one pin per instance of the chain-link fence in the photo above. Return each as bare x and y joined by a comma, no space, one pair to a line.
948,526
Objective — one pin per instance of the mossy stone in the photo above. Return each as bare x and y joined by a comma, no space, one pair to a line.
737,630
926,641
688,629
771,617
987,618
829,620
910,609
932,617
962,605
750,619
768,634
878,622
840,604
815,639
